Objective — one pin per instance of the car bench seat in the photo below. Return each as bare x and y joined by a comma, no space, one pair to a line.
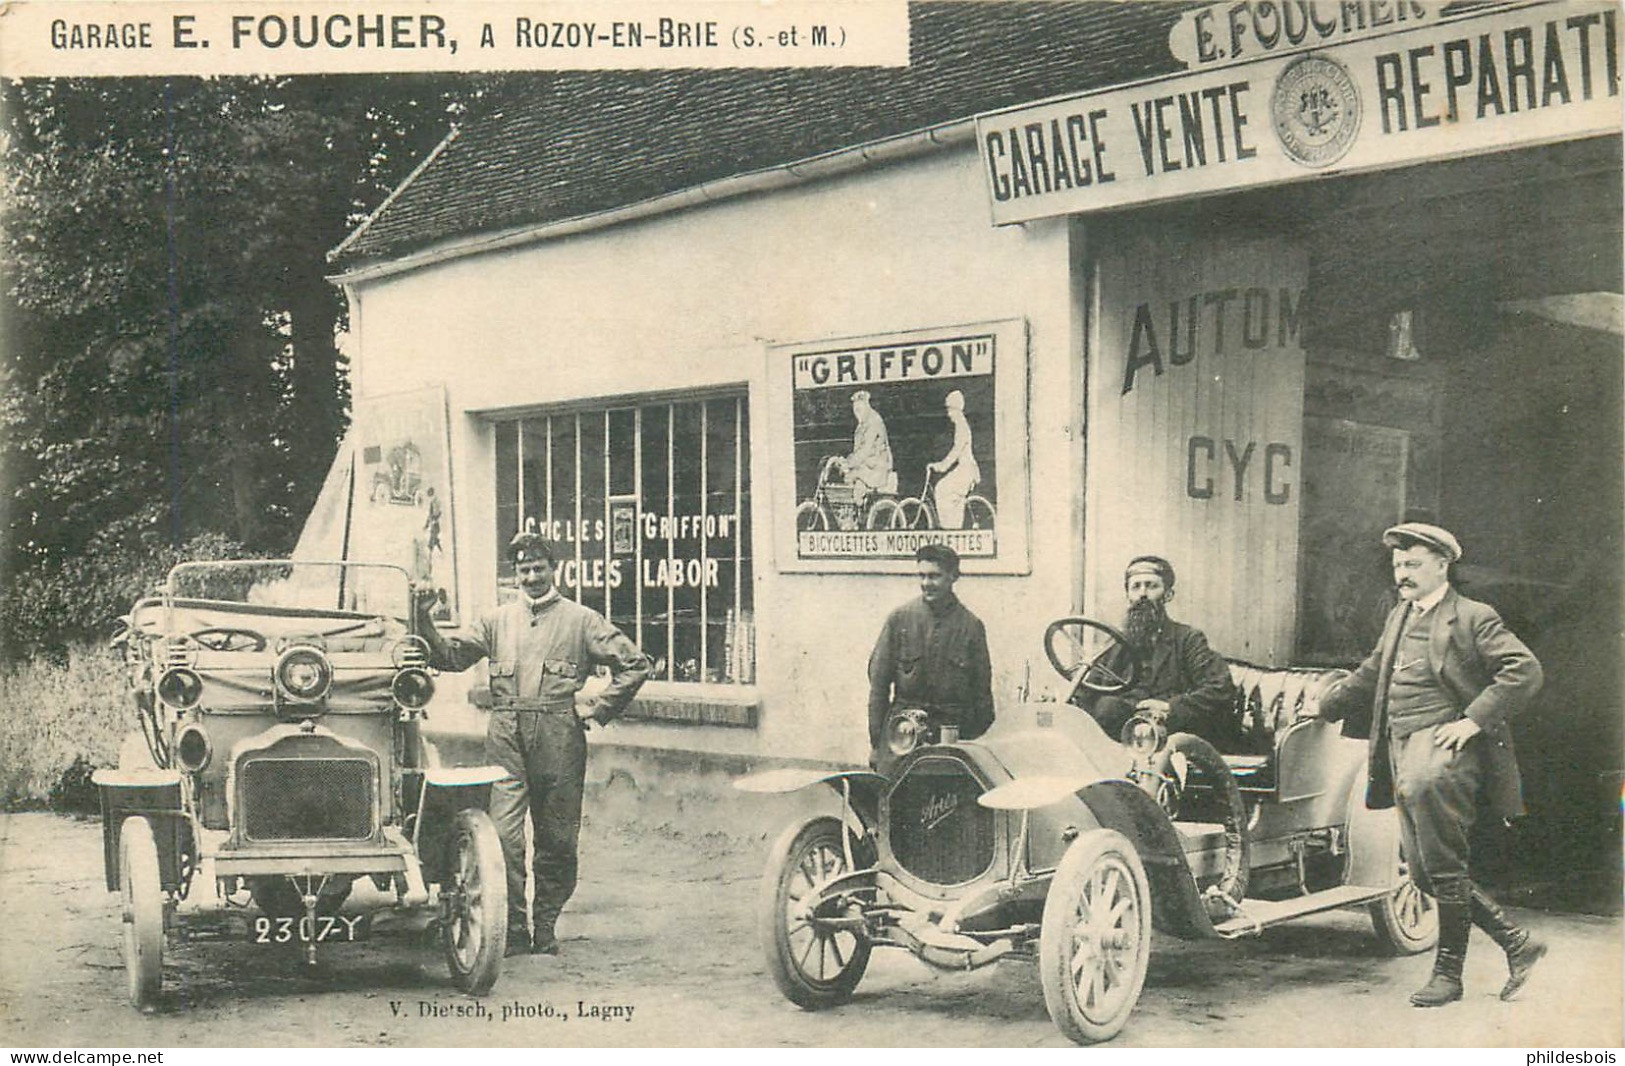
1278,711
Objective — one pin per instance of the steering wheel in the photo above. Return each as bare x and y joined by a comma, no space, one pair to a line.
1078,648
229,638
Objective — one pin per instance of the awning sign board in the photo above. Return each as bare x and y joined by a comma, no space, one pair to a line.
1521,76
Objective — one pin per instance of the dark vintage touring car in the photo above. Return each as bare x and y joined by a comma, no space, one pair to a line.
279,760
1044,838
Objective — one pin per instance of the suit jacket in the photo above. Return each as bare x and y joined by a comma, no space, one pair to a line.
1488,673
1184,670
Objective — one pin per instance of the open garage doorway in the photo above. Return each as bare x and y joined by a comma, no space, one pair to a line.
1465,367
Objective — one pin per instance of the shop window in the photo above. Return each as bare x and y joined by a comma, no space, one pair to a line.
649,505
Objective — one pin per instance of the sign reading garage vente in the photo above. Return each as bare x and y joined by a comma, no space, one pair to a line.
1452,87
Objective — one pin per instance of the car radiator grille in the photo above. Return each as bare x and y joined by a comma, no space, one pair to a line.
938,833
307,799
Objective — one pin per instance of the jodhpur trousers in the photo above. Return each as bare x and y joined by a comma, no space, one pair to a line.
1437,794
545,754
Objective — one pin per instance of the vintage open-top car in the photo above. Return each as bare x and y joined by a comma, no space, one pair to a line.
1047,839
279,760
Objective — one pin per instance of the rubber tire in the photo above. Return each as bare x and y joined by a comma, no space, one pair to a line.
143,912
810,518
912,514
1201,753
979,514
783,861
475,835
882,515
1096,851
1406,920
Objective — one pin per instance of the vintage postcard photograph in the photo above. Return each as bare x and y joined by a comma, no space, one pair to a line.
812,524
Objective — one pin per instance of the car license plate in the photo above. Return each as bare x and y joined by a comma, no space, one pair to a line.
323,928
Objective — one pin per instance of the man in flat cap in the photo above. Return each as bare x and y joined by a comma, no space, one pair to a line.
1180,679
1433,699
541,651
932,654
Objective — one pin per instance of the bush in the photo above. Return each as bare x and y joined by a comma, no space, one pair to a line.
61,718
55,604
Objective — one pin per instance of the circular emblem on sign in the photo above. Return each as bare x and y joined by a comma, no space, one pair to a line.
1316,109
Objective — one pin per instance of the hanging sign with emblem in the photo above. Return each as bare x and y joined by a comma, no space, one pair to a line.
1525,75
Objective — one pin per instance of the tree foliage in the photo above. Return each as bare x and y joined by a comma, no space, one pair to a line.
171,363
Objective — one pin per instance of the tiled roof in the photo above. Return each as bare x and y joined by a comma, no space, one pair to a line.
554,146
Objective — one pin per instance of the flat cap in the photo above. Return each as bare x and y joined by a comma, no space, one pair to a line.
1408,533
528,547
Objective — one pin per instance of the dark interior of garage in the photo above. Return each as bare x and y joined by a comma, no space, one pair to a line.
1465,367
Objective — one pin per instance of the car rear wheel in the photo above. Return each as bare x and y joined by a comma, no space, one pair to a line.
143,912
1095,943
474,931
1406,920
814,966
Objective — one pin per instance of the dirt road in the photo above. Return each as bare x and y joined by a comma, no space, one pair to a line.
660,950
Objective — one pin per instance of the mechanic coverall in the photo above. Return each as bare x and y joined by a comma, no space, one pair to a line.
540,655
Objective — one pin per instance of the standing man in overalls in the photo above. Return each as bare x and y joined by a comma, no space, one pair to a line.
541,651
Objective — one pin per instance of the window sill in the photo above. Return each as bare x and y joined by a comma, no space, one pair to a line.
730,706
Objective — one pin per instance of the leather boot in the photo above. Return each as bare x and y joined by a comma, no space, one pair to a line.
545,942
1522,949
1455,925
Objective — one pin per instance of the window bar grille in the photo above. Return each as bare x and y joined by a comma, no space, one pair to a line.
637,538
671,541
705,541
576,506
519,473
739,545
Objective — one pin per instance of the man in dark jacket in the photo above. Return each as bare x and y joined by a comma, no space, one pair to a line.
1433,699
1179,679
932,654
541,651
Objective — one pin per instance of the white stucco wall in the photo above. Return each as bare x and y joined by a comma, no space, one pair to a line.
691,300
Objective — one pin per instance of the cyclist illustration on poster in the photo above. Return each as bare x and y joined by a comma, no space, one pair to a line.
894,446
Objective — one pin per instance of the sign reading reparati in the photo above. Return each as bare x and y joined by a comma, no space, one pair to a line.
1520,76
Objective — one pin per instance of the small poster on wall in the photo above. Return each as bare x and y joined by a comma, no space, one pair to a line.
899,440
401,499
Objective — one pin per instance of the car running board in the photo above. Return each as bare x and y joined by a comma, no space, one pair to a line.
1256,915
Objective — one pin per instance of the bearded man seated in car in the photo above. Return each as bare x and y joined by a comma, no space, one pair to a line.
1178,679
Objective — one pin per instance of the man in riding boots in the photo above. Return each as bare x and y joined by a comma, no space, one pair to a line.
1180,680
1433,699
932,654
541,650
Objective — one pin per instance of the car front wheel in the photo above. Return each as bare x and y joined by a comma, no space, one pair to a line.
143,912
1095,943
473,929
813,964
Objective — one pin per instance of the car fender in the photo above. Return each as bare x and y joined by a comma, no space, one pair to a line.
1176,905
861,788
1373,840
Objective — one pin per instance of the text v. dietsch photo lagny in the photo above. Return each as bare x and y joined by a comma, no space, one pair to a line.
814,523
